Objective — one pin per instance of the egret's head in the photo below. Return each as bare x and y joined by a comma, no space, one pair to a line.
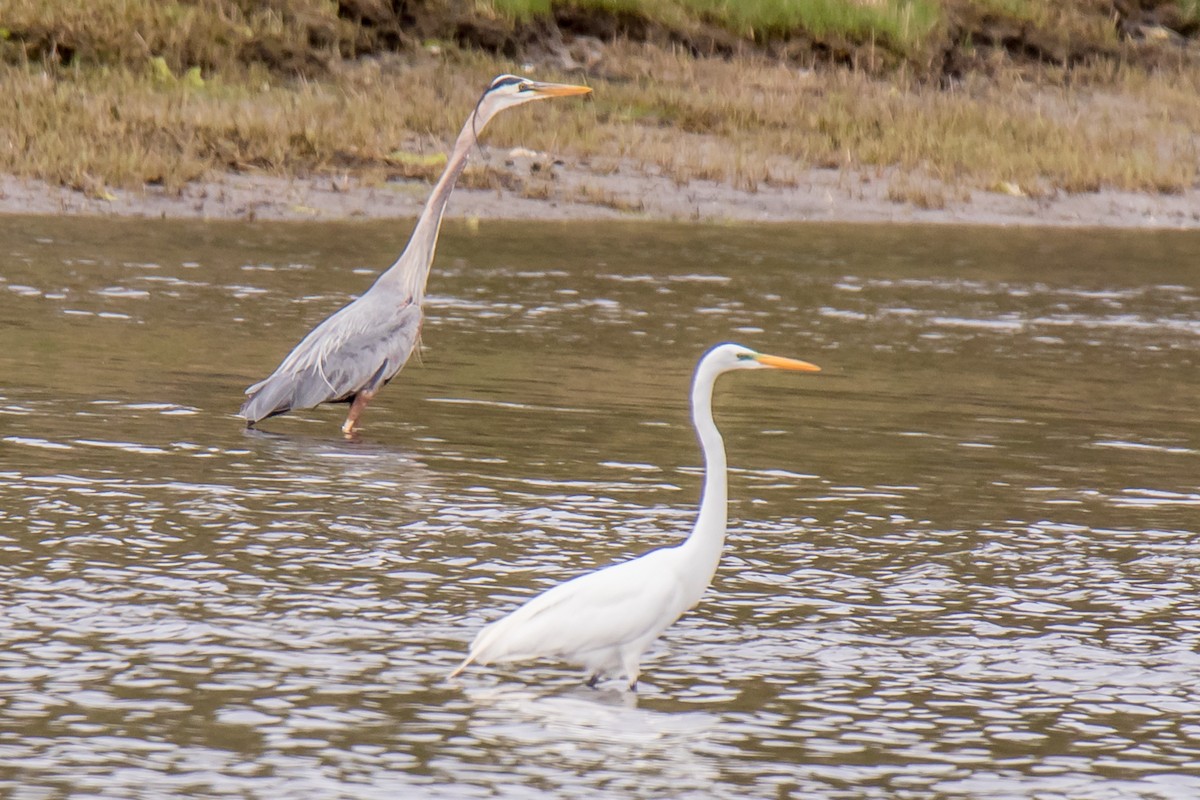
507,91
726,357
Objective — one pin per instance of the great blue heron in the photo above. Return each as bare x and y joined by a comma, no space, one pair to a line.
605,620
355,351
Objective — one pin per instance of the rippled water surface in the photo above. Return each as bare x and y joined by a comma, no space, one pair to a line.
963,561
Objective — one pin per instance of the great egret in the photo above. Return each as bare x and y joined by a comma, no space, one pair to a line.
350,356
605,620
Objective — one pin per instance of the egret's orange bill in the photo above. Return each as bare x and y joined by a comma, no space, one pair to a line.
779,362
559,89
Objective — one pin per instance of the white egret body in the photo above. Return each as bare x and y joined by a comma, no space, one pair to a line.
606,620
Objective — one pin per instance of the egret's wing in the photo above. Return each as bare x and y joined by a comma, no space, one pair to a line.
602,609
361,347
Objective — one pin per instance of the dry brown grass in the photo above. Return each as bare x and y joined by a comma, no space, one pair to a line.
125,127
748,123
211,35
597,196
1136,131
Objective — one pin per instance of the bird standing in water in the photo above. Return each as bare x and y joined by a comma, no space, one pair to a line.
351,355
605,620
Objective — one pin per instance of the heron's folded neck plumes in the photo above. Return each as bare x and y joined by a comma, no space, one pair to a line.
411,270
708,537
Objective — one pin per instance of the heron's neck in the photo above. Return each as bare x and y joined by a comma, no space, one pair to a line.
703,547
411,270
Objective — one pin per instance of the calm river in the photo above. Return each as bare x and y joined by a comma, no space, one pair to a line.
963,561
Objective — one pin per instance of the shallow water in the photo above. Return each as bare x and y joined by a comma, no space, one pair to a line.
962,560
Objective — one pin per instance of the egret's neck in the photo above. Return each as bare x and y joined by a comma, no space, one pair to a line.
703,547
411,270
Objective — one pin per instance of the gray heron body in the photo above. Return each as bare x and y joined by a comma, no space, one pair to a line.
354,352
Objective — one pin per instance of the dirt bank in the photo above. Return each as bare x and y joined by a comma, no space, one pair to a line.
827,195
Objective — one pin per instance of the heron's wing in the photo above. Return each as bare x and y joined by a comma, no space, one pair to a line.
359,348
603,609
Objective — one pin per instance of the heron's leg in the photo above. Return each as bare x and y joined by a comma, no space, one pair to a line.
356,409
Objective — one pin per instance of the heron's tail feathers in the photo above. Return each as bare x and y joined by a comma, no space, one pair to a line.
266,399
286,390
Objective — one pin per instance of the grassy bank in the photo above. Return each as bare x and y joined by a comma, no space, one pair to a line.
1016,96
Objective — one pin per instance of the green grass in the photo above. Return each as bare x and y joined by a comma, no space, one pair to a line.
905,23
1027,10
309,36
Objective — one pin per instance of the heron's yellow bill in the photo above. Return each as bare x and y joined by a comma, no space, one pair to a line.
779,362
559,89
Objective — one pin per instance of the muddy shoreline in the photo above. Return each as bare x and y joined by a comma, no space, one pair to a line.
827,196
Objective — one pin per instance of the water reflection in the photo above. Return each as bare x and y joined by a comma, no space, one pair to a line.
962,562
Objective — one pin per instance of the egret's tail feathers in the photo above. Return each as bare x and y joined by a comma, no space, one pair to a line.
466,663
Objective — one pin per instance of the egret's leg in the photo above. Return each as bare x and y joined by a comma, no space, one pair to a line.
356,409
632,669
593,680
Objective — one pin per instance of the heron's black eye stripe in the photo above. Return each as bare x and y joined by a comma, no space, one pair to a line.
509,80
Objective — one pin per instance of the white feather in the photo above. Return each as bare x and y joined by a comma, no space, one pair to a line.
607,619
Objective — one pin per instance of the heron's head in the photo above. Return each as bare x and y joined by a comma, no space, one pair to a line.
728,357
507,91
